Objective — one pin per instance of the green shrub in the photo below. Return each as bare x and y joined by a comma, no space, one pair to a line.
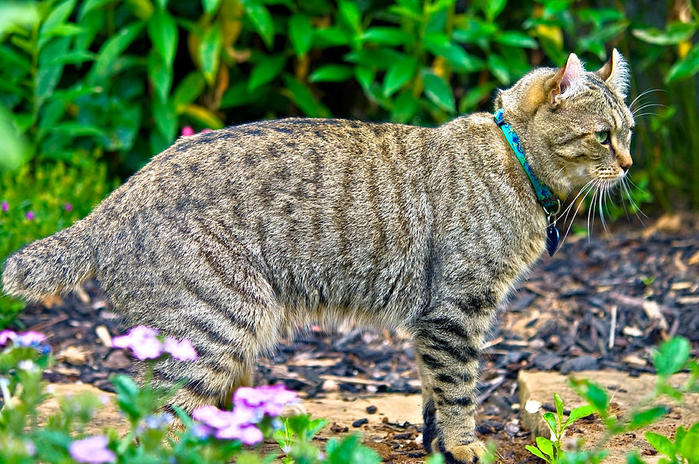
117,79
37,202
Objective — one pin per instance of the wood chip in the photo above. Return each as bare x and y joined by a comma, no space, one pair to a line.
653,312
72,355
356,380
694,259
104,336
320,362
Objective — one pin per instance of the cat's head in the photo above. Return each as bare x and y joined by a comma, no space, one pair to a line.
574,125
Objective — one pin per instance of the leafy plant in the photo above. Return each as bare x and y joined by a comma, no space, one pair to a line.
36,203
671,357
212,438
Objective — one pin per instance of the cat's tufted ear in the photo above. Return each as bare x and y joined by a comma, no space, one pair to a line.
615,73
566,81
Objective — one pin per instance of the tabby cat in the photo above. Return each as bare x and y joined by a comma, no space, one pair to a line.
232,237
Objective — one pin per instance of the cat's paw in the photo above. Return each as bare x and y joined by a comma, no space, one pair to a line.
460,454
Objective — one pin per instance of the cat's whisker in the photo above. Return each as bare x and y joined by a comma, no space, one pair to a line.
602,196
591,210
634,205
642,94
647,105
572,203
650,113
582,202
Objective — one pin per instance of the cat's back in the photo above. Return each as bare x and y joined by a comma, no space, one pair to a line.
333,212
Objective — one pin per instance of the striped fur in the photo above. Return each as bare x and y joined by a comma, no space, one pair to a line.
233,237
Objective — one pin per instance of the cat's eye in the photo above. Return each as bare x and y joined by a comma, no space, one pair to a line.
602,136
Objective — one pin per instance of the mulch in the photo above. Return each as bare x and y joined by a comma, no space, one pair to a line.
601,302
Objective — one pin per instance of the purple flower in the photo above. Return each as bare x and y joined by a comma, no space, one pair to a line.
182,350
230,425
142,341
266,399
92,450
31,338
68,207
7,335
5,206
187,131
30,215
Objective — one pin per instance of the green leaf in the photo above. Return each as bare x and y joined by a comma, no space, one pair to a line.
474,96
261,19
331,73
558,401
398,74
535,451
73,57
58,16
387,36
91,5
210,52
162,31
304,99
550,419
439,91
661,443
545,445
165,119
686,67
440,45
300,33
104,67
160,75
634,458
492,8
689,447
593,393
435,459
266,70
49,73
499,68
365,76
210,6
188,90
671,356
579,413
675,33
405,107
647,416
348,11
515,39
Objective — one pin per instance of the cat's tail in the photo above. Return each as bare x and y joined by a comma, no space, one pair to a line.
51,265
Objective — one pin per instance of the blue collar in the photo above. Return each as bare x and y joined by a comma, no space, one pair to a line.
547,199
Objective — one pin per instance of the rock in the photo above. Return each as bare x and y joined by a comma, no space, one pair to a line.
72,355
540,387
582,363
330,386
546,361
371,409
118,360
360,422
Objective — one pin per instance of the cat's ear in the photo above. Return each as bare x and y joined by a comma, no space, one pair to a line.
615,73
566,81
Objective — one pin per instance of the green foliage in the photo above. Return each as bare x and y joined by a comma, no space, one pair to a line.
671,357
37,202
117,79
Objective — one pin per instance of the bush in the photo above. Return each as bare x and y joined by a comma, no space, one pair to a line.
116,79
37,202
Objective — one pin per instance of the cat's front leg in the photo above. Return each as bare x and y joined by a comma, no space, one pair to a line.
448,342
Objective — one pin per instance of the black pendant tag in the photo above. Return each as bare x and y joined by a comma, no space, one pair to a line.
552,238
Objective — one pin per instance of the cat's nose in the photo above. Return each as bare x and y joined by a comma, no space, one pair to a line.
625,161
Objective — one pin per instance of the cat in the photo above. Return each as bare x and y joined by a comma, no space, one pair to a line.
231,237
